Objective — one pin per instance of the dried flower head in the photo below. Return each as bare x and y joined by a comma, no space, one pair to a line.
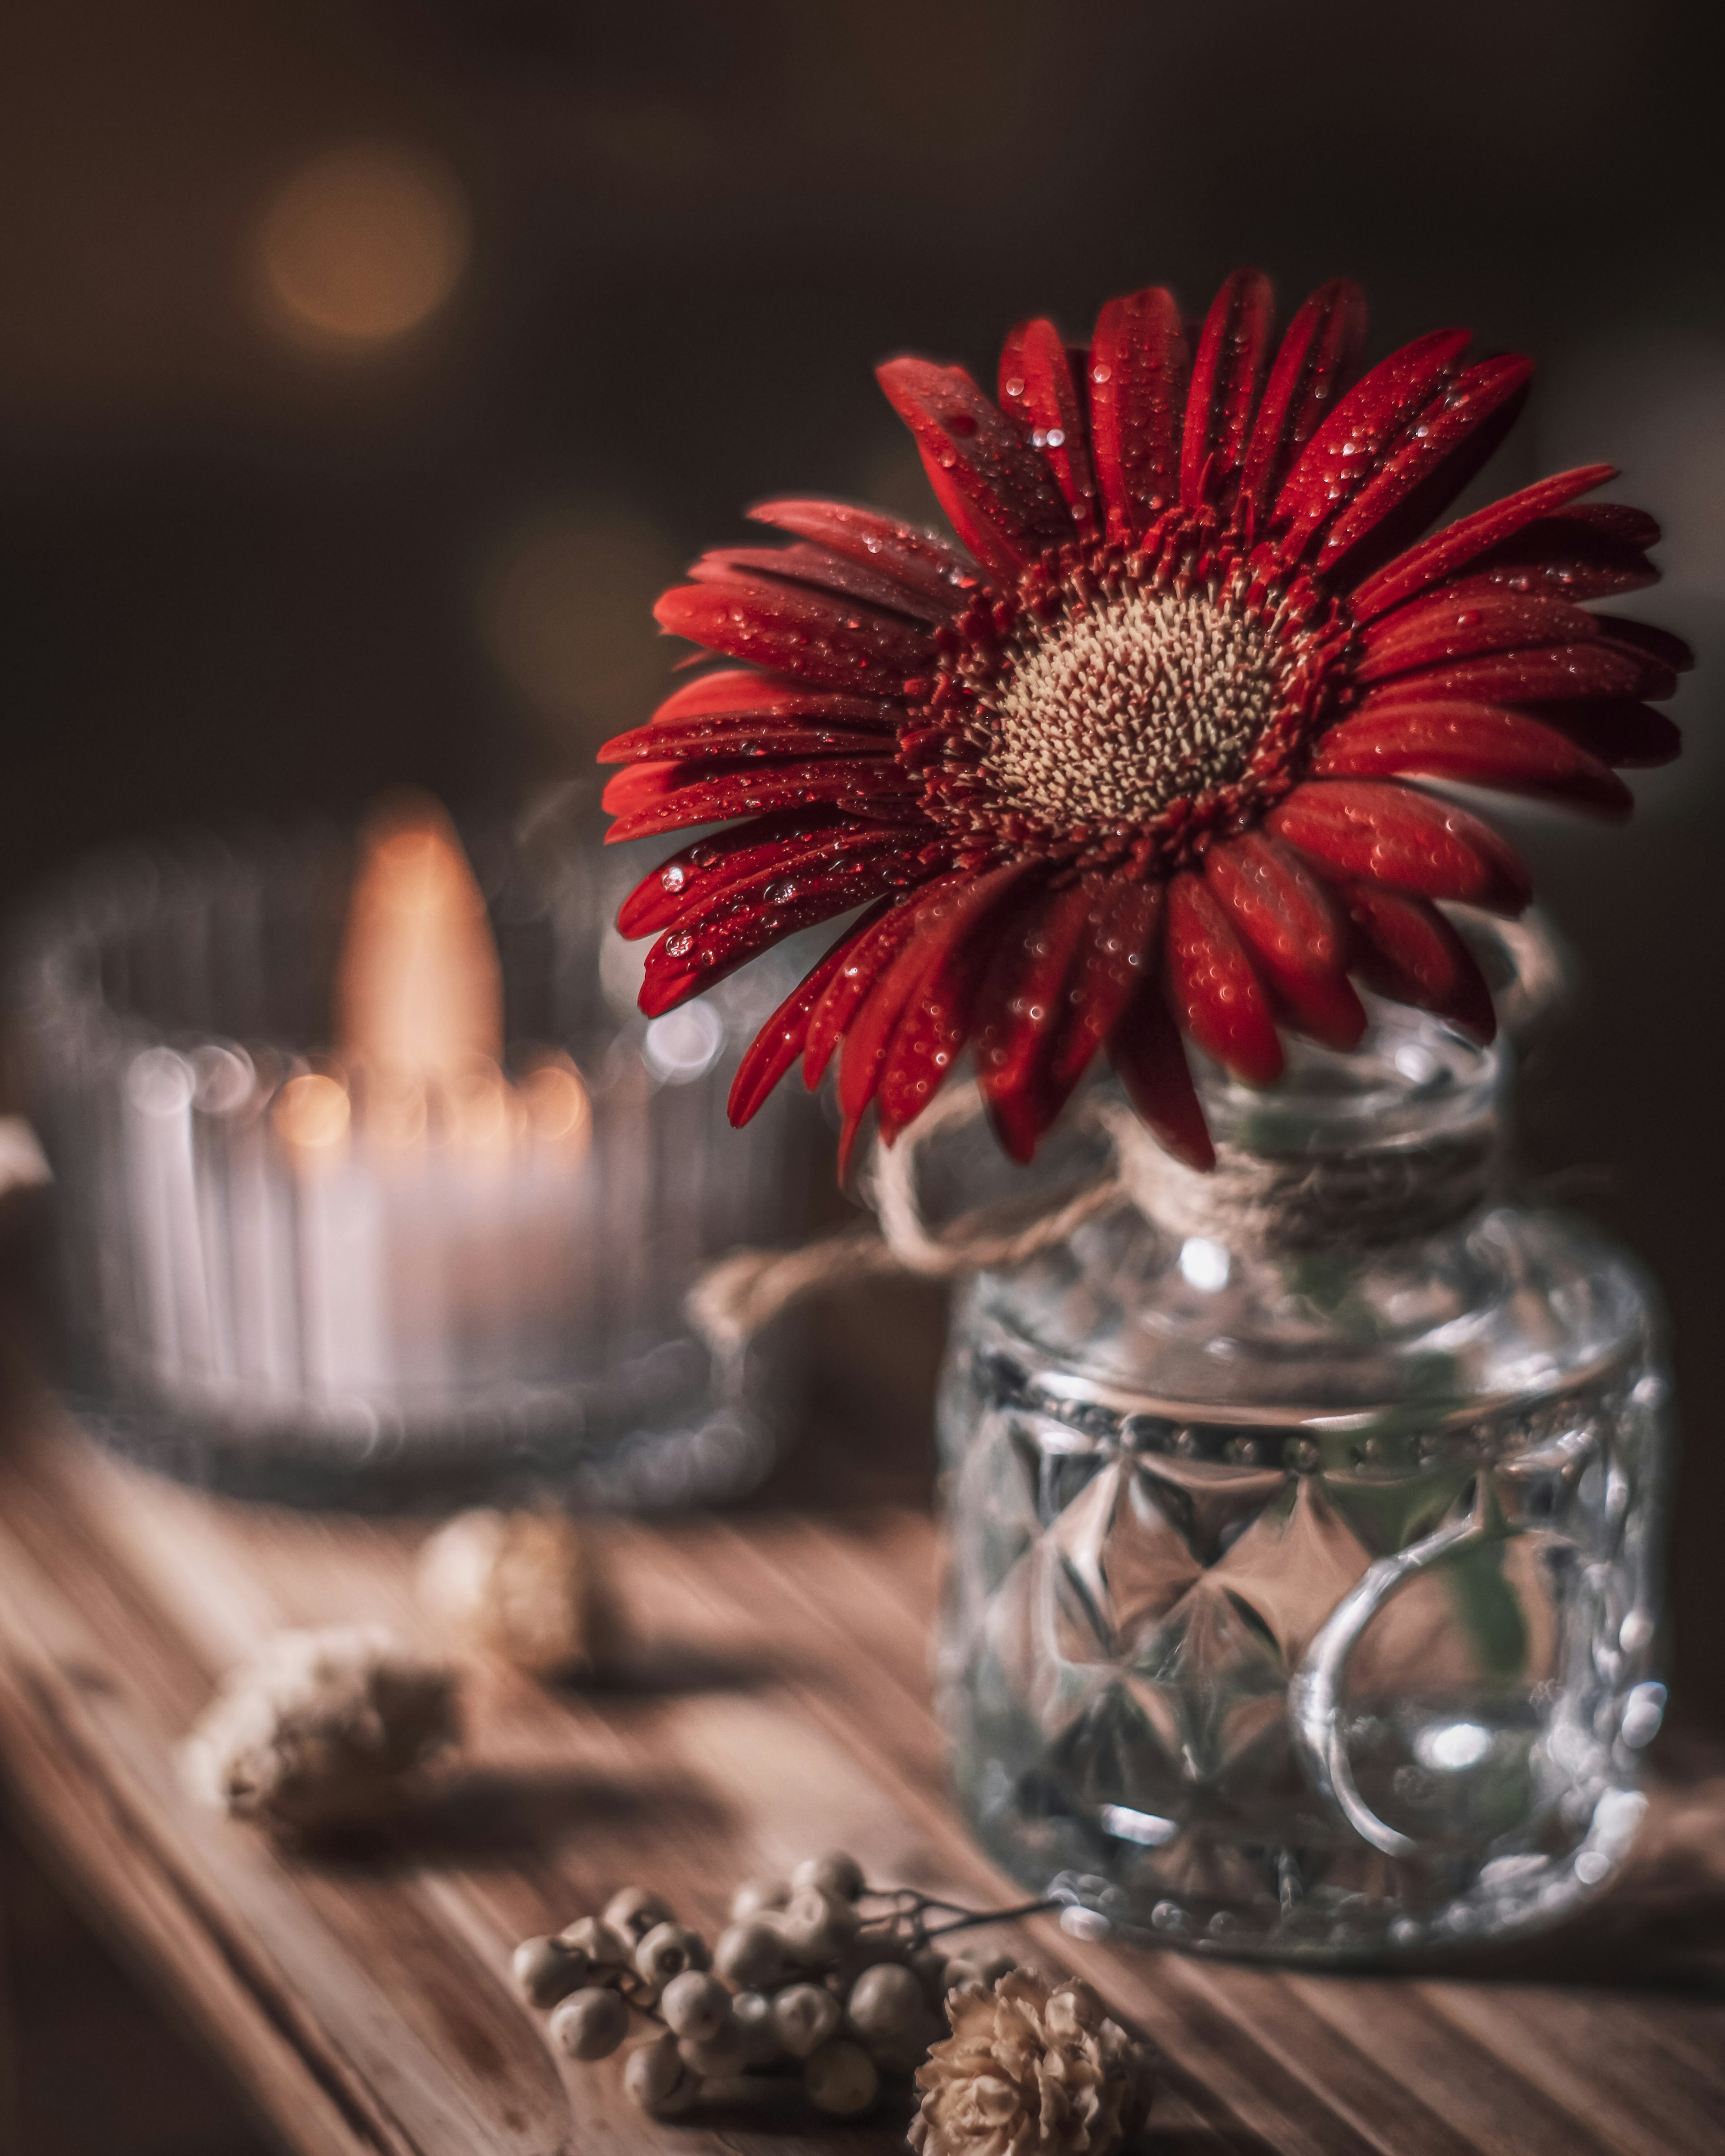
321,1729
1031,2069
1132,761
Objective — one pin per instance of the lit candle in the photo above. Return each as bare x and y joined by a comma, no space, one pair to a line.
437,1202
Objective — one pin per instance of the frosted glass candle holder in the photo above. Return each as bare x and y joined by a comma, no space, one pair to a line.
296,1278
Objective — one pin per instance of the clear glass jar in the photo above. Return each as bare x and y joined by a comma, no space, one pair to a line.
1305,1532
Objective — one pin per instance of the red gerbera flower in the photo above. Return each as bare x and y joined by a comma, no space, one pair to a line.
1136,764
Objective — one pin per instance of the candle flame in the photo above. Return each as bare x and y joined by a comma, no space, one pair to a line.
419,991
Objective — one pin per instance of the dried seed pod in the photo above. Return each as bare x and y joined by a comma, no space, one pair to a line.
755,1895
713,2057
696,2004
818,1926
546,1970
666,1951
603,1945
837,1872
634,1911
528,1586
841,2079
887,2003
590,2023
762,2043
656,2078
752,1954
805,2017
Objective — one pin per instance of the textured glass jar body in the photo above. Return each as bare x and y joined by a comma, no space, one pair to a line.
1304,1584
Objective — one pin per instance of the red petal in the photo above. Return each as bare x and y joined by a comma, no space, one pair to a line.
1321,350
1226,377
1114,962
1459,544
917,560
1616,729
935,1024
1390,833
725,857
942,929
828,860
1408,952
685,961
1557,558
1145,1048
1137,366
1474,746
811,635
709,794
1568,670
1418,481
721,740
1659,644
1286,916
865,963
1457,624
739,692
1348,449
1022,1009
1048,402
819,568
997,493
778,1044
1212,988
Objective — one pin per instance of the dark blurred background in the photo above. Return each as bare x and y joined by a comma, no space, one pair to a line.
368,366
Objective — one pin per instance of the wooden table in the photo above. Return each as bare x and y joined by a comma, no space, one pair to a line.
776,1702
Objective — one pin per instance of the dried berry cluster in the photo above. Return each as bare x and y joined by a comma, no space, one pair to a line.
818,1975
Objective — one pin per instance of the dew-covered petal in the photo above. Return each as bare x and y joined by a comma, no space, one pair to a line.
1449,442
1227,375
941,927
1392,835
936,1020
648,799
1475,746
864,963
1455,624
814,636
793,868
820,569
920,561
1316,356
1022,1008
1037,389
1137,377
731,737
1213,986
1571,671
998,494
687,961
1146,1049
1349,449
1434,559
724,857
779,1043
742,691
1404,949
1297,941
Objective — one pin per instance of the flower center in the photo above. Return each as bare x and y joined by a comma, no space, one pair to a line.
1126,706
1133,702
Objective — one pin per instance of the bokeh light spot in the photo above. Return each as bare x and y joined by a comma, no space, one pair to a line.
361,246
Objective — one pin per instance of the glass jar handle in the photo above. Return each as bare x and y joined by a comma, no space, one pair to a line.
1314,1695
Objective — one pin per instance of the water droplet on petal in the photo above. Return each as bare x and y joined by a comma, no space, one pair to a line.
1101,374
680,945
675,877
780,893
